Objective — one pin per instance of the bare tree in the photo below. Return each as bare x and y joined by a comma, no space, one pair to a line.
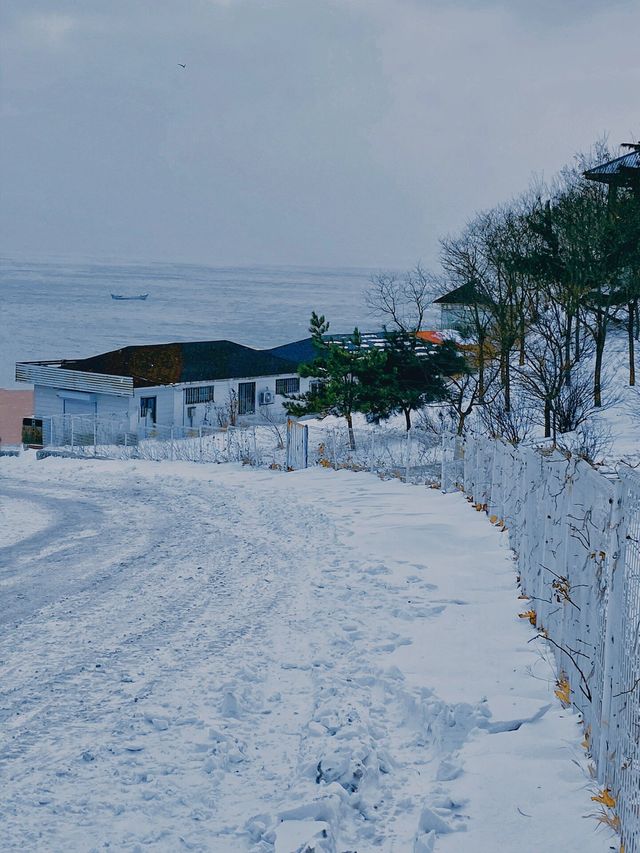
592,441
227,415
464,265
277,425
544,374
401,301
465,393
513,424
575,404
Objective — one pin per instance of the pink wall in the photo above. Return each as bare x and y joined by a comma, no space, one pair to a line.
14,406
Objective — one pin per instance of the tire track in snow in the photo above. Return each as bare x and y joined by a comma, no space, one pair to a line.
93,676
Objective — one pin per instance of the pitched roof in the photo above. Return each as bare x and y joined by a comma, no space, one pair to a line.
430,337
168,364
624,171
466,294
298,352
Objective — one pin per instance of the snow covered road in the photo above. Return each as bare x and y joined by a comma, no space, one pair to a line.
216,659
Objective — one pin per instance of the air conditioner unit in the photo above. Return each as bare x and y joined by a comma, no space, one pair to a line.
265,398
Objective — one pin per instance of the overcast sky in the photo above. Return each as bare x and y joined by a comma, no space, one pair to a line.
319,132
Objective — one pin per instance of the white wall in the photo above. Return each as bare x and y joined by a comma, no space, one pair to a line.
170,405
222,390
47,402
165,403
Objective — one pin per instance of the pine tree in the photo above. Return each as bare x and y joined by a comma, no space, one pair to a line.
338,368
410,375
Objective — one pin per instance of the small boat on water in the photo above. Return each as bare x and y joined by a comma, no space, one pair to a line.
120,296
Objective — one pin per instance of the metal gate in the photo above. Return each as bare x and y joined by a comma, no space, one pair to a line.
297,445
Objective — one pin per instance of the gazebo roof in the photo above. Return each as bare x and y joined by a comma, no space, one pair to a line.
623,171
466,294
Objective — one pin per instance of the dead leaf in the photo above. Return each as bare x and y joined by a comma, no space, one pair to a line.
531,615
605,798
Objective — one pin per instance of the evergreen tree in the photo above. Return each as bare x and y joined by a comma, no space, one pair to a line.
408,375
338,368
401,377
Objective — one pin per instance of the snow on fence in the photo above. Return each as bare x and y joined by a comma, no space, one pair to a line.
412,456
112,438
576,538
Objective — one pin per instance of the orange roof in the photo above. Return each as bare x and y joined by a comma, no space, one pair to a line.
431,337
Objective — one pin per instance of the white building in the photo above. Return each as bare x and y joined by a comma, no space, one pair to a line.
178,384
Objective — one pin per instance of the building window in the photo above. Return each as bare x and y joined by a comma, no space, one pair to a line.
246,398
148,409
201,394
315,386
287,386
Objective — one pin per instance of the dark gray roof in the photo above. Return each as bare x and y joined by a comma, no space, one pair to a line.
298,352
463,295
623,170
169,364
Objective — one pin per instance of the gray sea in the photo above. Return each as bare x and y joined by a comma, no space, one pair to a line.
55,309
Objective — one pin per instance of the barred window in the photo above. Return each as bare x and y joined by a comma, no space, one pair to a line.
288,386
315,386
201,394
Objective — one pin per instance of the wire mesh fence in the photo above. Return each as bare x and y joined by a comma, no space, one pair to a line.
413,456
576,538
113,438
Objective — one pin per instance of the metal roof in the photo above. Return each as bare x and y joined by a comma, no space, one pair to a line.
54,375
380,341
304,351
623,170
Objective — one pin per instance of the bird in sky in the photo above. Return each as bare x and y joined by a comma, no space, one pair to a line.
181,65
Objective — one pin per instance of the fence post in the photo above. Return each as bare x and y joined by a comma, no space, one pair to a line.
305,443
172,449
613,637
372,464
72,436
407,461
200,440
287,457
446,453
95,436
335,449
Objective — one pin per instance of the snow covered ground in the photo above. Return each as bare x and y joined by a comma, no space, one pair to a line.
214,658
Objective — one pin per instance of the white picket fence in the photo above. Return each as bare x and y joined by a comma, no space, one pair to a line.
576,537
